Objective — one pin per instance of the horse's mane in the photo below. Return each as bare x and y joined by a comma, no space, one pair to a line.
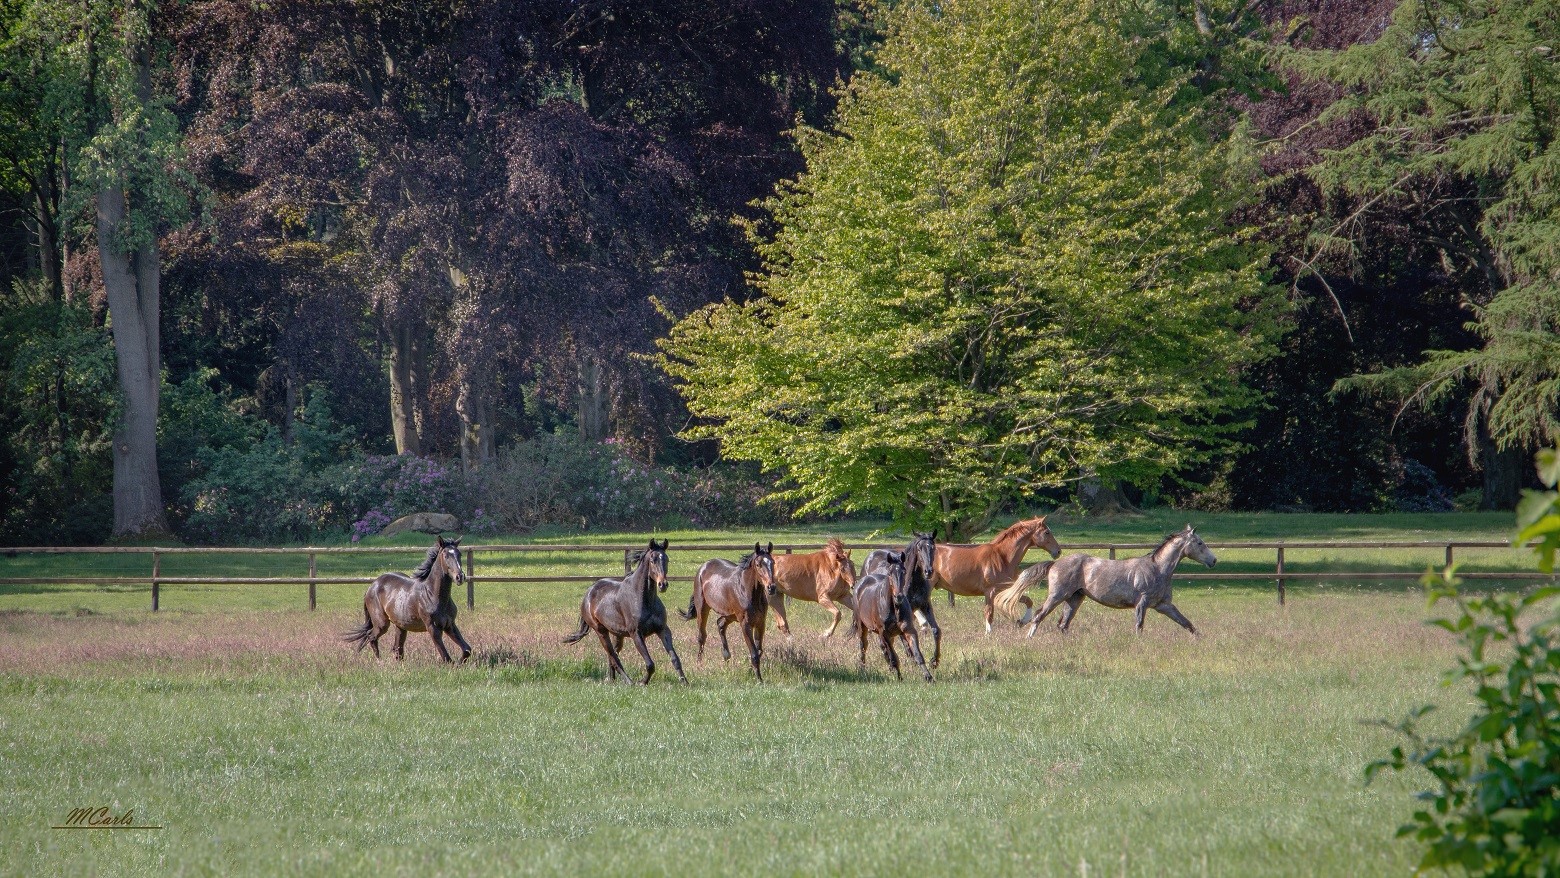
835,545
745,561
427,564
1011,531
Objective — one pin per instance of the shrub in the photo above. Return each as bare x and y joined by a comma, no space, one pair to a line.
1495,808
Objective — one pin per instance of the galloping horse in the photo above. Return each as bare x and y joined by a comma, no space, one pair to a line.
882,608
983,570
420,602
630,607
1141,583
735,593
822,577
919,562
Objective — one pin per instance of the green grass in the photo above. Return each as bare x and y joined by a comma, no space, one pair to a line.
238,721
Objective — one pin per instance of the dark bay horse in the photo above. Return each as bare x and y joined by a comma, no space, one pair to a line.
919,561
984,569
1133,583
420,602
630,607
883,609
735,593
823,577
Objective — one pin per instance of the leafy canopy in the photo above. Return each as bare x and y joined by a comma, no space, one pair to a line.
1009,267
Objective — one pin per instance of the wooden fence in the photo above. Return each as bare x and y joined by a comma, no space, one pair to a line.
1280,574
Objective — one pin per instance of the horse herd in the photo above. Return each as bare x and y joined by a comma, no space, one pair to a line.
891,599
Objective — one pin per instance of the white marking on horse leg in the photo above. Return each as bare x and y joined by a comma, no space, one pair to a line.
921,618
1029,613
988,627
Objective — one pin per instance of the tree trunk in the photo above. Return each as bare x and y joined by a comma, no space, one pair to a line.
474,405
406,384
45,216
131,281
1104,497
1503,471
595,397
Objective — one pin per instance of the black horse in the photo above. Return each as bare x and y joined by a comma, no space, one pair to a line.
919,560
630,607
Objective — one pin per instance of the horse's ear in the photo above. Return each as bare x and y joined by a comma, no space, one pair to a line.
934,534
1188,527
757,549
771,549
455,542
442,541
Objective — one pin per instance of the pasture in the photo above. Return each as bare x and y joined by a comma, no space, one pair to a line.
238,721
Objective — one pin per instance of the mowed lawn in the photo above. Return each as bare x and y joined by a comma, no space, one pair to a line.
264,746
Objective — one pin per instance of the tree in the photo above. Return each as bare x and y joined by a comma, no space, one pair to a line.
1011,268
1464,101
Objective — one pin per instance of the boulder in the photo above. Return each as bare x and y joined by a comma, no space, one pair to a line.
424,522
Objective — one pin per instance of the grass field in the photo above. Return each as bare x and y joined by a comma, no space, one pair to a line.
264,746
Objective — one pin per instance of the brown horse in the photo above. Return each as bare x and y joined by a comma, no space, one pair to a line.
822,577
1140,584
735,593
883,609
420,602
984,569
630,607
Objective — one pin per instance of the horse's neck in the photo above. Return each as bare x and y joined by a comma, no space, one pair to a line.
1009,552
747,577
636,588
1169,554
439,581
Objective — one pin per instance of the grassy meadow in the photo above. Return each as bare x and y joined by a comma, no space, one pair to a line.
236,720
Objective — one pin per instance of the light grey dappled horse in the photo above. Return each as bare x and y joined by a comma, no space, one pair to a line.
1142,583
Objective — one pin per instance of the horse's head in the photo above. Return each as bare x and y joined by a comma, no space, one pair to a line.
840,565
449,558
654,559
922,552
896,573
1040,535
764,562
1196,549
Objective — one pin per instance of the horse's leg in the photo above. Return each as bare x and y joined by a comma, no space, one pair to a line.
400,643
931,621
990,604
777,603
704,614
890,654
748,624
913,646
725,647
823,601
861,631
1169,609
465,648
1141,609
666,641
437,634
1029,610
1052,601
381,623
614,664
639,642
1073,603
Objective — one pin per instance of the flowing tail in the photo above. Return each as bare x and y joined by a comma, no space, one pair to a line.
1007,599
579,635
693,607
362,634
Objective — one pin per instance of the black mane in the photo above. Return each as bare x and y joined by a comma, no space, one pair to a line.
427,564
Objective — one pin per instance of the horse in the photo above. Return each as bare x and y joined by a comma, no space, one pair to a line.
984,569
735,593
420,602
1133,583
919,560
630,607
822,577
882,608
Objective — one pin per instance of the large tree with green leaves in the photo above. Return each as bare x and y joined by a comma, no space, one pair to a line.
1009,267
1464,99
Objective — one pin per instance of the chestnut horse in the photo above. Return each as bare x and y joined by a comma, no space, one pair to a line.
1141,583
883,609
919,560
735,593
420,602
821,577
630,607
984,569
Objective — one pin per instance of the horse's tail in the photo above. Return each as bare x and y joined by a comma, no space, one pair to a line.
693,600
362,634
579,635
1007,599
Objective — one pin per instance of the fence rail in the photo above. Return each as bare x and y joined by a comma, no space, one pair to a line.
1280,574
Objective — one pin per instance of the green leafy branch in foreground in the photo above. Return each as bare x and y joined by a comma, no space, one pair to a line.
1496,809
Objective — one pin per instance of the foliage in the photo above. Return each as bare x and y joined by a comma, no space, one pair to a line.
1465,99
1010,268
1496,807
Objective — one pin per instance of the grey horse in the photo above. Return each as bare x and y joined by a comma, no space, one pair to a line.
1142,583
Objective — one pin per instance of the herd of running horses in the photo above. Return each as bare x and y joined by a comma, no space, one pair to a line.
891,599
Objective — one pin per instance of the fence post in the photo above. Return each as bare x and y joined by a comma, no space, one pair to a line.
1113,553
471,579
156,571
313,575
1448,554
1280,576
627,567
